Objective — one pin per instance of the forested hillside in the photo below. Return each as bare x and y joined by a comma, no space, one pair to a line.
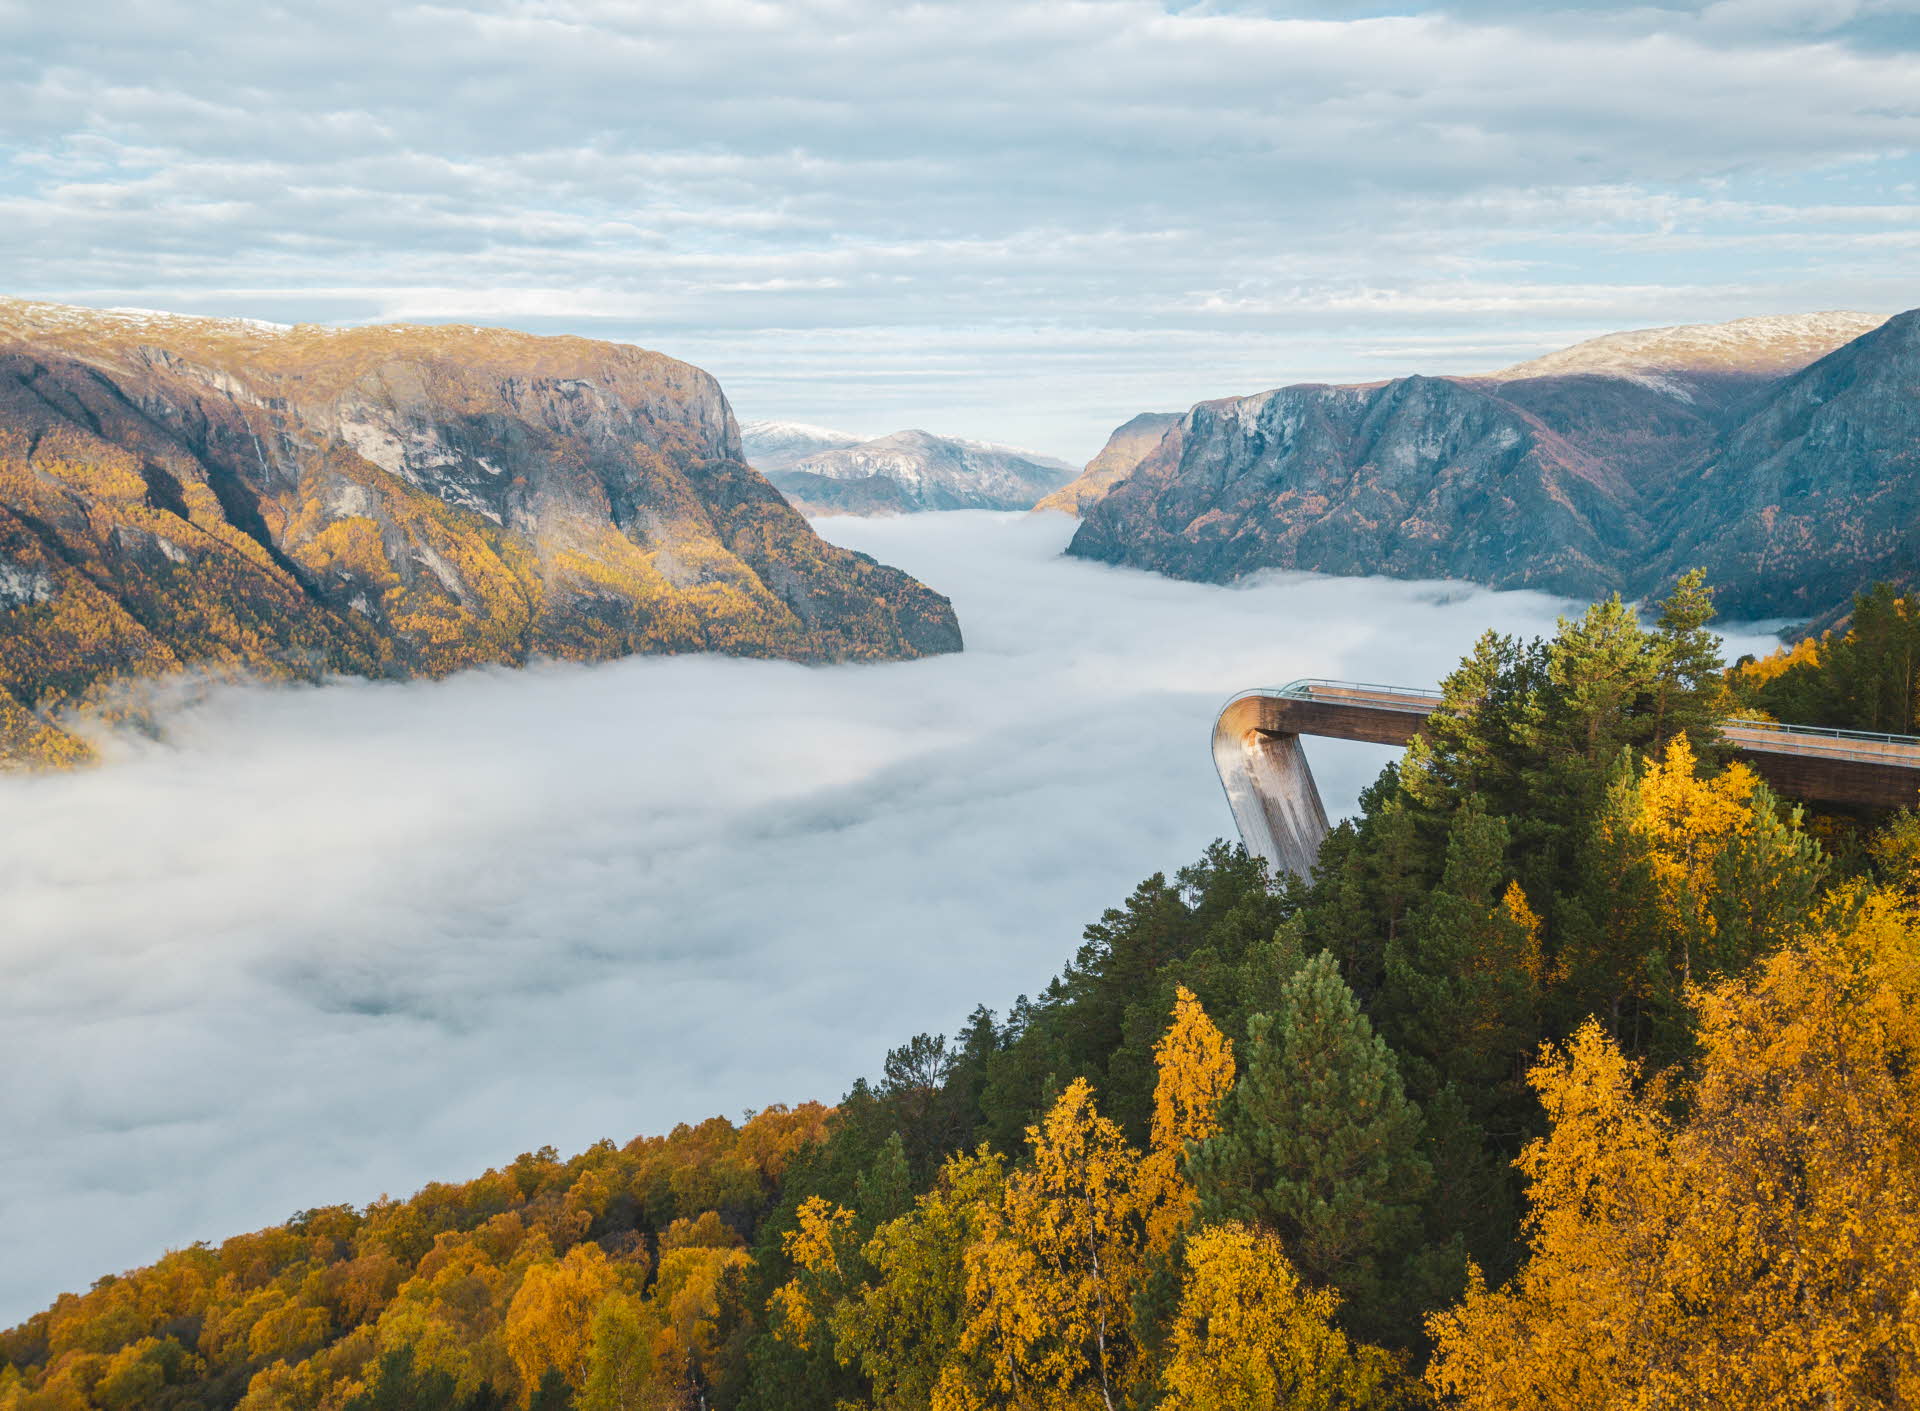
1583,1073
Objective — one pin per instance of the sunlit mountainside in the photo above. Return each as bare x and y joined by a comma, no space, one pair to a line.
390,501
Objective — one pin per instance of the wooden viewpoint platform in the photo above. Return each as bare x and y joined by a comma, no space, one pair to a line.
1257,751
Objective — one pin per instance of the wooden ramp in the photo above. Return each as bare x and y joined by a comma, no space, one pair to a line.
1256,747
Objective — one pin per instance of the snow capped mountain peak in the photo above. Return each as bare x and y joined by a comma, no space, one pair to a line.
775,445
799,430
1768,346
33,315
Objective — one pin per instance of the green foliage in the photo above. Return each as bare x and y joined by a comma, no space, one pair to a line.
398,1385
1866,678
1319,1143
972,1230
1461,995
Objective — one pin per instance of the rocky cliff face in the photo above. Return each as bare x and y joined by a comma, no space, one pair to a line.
915,470
1586,472
1815,491
1129,444
386,501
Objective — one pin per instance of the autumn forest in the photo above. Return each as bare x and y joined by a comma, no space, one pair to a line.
1584,1071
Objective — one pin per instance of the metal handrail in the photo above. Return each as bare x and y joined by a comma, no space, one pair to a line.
1303,689
1828,731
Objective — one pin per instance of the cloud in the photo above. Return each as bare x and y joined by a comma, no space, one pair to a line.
324,943
726,182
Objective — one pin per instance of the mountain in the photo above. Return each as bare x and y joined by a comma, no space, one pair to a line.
776,445
1609,466
1687,357
1816,492
233,497
915,470
1125,449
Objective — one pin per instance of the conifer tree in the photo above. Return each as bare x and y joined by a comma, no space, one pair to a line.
1463,978
1368,875
1690,684
1318,1142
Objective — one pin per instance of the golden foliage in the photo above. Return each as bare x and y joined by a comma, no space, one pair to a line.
904,1329
1762,1248
1805,652
1195,1063
1050,1282
686,1301
816,1246
549,1323
1250,1336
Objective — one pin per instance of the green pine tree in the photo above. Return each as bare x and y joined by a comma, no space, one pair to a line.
1461,998
1690,681
1319,1143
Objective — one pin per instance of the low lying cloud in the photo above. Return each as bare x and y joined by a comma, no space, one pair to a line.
323,943
779,188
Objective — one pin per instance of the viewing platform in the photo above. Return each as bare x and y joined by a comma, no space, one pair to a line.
1256,748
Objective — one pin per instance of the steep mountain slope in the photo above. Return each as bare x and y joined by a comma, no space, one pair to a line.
915,470
1816,491
1612,465
775,445
393,501
1126,448
1417,478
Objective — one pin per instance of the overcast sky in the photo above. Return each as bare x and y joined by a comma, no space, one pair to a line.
1015,221
324,943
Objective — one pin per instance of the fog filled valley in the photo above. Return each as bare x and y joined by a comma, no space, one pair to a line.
644,762
314,944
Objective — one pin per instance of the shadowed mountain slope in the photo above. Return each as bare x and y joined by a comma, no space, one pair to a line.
1610,466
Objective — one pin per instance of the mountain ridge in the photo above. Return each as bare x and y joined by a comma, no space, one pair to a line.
1572,481
1127,445
913,470
389,500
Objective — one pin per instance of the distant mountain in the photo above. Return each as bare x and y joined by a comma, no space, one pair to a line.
776,445
1126,448
386,501
1815,492
915,470
1685,356
1612,465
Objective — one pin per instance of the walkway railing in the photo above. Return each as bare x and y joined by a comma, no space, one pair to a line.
1814,741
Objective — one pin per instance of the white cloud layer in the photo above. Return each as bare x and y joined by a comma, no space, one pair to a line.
325,943
1013,219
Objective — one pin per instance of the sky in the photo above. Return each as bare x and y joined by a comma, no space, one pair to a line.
1022,222
318,944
